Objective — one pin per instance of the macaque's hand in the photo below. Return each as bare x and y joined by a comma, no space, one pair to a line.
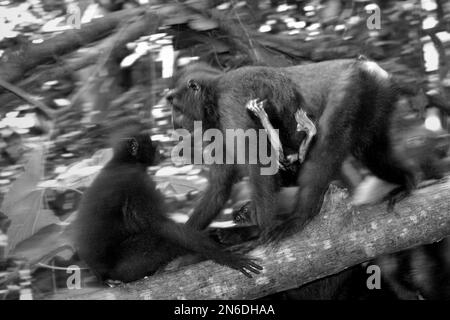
257,107
304,124
291,158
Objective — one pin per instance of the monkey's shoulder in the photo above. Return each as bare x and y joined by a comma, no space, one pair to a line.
252,76
115,182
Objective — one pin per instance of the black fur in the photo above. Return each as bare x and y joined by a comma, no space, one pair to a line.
352,105
122,231
219,89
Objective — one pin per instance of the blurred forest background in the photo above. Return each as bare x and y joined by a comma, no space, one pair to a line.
73,71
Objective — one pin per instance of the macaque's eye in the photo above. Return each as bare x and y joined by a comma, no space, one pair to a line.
192,84
133,145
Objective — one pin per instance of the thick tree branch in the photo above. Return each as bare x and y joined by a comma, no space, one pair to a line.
14,64
341,236
112,47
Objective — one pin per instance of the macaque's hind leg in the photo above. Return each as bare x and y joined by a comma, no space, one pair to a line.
380,159
142,255
264,191
325,159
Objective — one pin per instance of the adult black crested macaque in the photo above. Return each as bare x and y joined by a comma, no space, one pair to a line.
198,97
350,101
122,231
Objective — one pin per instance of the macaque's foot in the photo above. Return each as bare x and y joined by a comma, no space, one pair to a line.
395,196
243,213
113,283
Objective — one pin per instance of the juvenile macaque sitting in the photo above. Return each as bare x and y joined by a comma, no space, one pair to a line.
351,102
122,231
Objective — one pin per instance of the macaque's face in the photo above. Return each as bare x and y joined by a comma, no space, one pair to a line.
186,104
189,98
150,150
143,149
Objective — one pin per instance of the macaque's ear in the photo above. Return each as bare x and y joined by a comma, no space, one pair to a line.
194,85
133,146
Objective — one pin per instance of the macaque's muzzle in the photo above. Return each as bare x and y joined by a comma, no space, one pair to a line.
177,117
169,96
177,120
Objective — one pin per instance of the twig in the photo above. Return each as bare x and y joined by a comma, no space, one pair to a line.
28,98
249,39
